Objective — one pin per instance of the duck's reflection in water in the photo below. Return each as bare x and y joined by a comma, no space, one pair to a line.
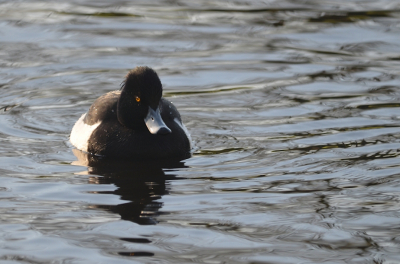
141,183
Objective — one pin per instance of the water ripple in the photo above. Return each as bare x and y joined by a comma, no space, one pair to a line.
293,108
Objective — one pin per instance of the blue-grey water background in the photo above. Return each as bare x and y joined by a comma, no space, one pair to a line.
293,108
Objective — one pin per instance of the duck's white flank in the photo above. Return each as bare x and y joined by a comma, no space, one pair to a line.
81,133
185,130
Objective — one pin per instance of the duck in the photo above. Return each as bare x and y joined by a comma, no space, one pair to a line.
135,122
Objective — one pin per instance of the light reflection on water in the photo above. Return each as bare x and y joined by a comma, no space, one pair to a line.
293,108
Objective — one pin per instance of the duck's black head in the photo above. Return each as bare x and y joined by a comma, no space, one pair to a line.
138,105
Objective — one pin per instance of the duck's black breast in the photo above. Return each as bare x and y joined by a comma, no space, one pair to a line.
113,139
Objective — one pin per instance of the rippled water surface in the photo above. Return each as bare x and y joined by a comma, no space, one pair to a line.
293,108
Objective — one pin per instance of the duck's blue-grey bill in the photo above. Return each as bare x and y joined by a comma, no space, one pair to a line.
154,122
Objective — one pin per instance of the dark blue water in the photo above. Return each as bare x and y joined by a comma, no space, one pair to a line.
294,112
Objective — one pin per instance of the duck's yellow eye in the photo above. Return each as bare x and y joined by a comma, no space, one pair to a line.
137,99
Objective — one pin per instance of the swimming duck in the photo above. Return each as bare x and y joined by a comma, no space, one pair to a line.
135,122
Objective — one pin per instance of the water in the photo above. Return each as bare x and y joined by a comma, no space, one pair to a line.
293,108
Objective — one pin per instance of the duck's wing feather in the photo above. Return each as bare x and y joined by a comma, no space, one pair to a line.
168,111
105,107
